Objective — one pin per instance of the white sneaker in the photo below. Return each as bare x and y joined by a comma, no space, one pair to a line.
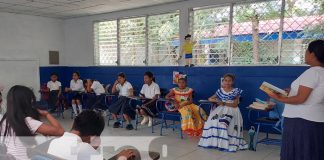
145,120
150,121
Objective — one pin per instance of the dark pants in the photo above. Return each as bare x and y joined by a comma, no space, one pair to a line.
302,140
53,99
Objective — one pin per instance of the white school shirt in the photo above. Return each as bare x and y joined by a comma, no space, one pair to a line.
124,89
313,108
71,147
54,86
150,90
97,88
77,85
14,145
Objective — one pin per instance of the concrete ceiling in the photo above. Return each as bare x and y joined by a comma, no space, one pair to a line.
65,9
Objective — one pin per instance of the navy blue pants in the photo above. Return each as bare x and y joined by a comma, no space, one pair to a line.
302,140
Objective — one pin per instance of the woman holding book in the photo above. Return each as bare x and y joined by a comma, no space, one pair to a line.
303,135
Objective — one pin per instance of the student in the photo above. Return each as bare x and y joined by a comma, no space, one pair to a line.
303,134
187,49
76,87
54,88
150,92
96,87
122,105
224,127
21,122
181,97
82,141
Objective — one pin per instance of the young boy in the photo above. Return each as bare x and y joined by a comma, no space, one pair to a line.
97,88
83,139
186,50
54,88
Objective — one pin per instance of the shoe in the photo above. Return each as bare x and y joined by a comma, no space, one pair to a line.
145,120
191,65
129,127
186,66
150,122
116,125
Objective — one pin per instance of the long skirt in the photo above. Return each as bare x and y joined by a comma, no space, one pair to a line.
122,106
96,101
224,130
192,123
302,140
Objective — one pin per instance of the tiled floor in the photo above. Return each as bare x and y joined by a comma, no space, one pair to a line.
171,146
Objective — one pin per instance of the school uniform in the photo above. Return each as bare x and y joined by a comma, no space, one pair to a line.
303,133
122,104
96,100
54,88
149,91
77,88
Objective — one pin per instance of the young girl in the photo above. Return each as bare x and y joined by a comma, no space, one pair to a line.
150,92
224,127
76,87
96,87
54,89
181,97
22,121
122,105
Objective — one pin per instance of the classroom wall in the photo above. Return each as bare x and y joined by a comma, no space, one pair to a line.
204,80
24,36
78,32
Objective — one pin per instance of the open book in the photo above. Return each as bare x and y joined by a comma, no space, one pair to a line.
269,88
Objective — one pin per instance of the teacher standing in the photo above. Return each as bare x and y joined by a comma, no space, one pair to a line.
303,134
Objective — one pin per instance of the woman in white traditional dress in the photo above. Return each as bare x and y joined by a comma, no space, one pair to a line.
224,127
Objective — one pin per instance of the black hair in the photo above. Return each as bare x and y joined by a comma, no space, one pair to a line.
121,74
317,47
54,74
20,104
230,75
182,79
187,36
89,123
150,74
77,73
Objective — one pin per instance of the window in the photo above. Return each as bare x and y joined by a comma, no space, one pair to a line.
255,33
132,35
105,42
258,33
163,39
210,30
303,23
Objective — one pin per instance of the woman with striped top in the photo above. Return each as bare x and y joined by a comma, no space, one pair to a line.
224,127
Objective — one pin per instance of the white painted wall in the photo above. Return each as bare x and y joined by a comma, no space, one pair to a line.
78,32
23,36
